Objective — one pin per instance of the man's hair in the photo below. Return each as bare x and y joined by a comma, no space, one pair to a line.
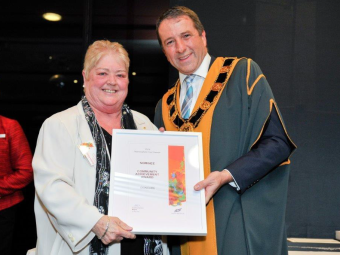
100,48
178,11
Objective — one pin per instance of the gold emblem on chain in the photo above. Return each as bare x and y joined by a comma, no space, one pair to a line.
217,86
205,105
187,127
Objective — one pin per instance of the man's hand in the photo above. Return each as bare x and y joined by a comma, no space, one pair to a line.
213,182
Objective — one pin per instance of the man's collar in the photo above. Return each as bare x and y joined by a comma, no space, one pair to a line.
201,71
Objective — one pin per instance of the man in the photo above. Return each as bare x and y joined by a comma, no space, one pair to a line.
15,173
245,144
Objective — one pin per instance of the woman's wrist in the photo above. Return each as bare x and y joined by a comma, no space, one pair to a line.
106,228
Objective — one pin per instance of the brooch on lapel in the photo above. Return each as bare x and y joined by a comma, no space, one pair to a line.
88,151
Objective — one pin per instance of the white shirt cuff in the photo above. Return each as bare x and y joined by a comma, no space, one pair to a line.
233,183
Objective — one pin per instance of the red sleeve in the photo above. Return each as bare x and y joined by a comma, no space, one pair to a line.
21,161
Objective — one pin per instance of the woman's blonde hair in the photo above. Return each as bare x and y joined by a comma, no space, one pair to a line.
100,48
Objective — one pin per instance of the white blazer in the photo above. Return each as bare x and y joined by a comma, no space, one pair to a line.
65,184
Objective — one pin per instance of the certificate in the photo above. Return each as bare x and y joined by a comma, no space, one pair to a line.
152,182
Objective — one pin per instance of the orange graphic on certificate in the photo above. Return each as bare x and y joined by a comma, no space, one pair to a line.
177,188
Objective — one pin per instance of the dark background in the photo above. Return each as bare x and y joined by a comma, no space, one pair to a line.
295,42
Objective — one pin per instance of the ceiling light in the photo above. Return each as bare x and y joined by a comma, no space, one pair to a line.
51,16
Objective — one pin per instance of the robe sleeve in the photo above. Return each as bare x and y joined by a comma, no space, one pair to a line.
271,150
272,147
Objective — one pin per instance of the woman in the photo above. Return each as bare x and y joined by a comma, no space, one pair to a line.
15,173
72,163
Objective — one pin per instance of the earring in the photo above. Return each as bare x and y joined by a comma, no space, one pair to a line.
83,85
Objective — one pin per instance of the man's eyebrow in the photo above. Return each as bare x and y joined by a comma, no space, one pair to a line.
171,37
182,33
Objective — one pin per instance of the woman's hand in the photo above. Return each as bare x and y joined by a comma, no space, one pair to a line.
112,229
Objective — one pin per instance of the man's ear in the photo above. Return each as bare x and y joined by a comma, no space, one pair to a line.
204,38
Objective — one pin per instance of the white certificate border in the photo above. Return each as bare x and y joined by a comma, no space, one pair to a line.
198,135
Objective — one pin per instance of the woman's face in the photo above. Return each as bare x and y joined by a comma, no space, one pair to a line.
107,85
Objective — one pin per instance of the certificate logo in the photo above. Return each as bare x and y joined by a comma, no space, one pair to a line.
177,188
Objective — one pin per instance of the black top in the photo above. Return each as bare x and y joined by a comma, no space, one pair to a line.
128,246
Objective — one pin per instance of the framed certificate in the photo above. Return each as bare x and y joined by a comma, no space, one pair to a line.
152,182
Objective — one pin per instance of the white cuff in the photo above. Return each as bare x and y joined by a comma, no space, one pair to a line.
233,183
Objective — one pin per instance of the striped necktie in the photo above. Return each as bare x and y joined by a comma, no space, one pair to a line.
185,109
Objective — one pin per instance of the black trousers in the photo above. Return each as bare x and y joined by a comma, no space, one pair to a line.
7,222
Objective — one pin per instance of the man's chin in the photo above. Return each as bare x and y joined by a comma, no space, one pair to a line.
187,71
185,68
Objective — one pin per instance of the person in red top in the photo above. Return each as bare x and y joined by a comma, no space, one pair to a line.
15,173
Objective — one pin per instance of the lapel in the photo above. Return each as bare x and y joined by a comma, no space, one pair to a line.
208,81
84,131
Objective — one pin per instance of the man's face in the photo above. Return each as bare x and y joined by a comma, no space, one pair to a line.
184,48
